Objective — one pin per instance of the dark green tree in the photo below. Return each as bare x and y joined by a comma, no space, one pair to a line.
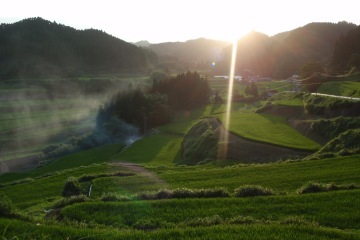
310,68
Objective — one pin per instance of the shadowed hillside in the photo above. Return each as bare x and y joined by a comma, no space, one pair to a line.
36,47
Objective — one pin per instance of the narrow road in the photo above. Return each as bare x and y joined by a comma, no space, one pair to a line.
335,96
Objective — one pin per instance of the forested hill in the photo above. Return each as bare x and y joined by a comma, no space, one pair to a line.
36,47
284,54
195,51
278,56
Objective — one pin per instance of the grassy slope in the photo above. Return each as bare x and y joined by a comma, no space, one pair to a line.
284,177
155,149
343,86
270,129
162,149
309,207
96,155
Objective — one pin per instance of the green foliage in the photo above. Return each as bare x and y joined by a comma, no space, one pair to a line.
330,106
347,49
270,129
310,69
313,82
252,90
155,149
112,197
200,142
313,187
287,99
252,191
185,91
55,49
71,187
311,207
341,86
99,154
125,110
70,200
347,143
271,231
331,128
184,193
6,207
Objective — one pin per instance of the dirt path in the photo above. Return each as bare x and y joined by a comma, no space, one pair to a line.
139,170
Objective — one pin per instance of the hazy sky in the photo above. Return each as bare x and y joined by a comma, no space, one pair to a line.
180,20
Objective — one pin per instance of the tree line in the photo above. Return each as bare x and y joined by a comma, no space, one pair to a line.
36,47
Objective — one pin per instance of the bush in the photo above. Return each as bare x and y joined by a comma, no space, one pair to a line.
252,191
71,200
211,193
312,187
6,207
183,193
71,187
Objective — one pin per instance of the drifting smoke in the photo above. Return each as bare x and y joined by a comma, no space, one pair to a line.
38,113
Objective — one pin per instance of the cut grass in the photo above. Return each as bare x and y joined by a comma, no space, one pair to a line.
283,177
163,149
23,230
268,129
311,208
341,88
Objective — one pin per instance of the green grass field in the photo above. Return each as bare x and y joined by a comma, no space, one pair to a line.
154,162
270,129
160,149
341,88
286,212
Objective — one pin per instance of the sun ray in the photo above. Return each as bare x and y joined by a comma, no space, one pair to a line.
224,139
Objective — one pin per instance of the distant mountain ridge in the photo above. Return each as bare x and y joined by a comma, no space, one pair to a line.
37,47
278,56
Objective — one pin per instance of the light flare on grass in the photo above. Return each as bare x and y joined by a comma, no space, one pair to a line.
224,139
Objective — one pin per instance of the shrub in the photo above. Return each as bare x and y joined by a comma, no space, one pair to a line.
252,191
6,207
211,193
146,196
71,187
164,194
70,200
312,187
183,193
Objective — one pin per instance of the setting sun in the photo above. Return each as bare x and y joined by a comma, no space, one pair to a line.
163,21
